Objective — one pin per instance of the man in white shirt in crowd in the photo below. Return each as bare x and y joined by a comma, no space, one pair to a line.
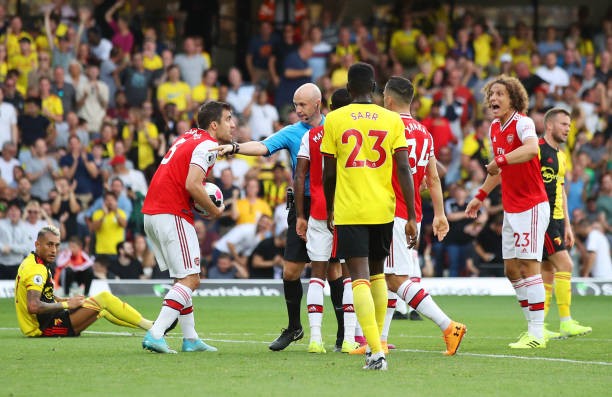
8,121
262,117
595,260
8,162
15,242
191,63
239,94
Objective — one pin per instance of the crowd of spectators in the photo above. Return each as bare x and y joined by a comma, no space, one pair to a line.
89,105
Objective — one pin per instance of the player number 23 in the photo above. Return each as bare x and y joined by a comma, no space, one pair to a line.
521,240
352,162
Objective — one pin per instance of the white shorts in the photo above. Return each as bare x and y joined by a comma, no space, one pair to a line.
174,243
523,232
401,260
319,240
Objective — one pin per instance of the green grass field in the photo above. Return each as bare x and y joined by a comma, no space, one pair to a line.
108,360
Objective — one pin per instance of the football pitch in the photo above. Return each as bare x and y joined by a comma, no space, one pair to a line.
108,360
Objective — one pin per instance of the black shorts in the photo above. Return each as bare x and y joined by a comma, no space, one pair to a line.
295,248
57,325
371,241
554,239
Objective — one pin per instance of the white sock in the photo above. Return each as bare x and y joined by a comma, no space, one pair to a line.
401,306
416,297
391,301
521,296
187,323
535,297
350,319
314,302
177,298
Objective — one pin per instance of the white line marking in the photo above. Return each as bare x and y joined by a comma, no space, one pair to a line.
176,335
563,360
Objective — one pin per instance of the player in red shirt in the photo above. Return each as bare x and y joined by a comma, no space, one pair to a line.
526,210
402,270
168,220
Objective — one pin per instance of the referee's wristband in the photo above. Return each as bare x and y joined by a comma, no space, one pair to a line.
235,148
501,160
64,305
481,195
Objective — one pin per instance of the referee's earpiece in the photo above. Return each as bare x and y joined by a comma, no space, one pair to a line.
374,86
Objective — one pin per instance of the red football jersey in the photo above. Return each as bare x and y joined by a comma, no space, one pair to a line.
310,148
167,193
522,185
420,150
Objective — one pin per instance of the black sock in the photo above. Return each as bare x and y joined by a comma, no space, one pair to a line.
336,288
293,299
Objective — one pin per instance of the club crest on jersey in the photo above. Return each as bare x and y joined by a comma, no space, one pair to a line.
557,240
510,138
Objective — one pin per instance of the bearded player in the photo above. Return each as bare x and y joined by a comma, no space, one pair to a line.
557,264
168,221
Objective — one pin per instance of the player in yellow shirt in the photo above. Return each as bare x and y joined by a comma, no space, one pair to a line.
360,144
41,313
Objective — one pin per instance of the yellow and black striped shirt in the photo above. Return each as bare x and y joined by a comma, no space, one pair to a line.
553,165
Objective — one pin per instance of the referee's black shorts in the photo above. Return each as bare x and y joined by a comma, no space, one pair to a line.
371,241
295,248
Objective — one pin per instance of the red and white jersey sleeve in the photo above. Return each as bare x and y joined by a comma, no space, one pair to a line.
304,151
312,143
420,149
202,157
522,184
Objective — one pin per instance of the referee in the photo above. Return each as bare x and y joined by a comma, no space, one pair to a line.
307,102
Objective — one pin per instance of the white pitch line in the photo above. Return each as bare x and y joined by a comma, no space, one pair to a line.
562,360
503,356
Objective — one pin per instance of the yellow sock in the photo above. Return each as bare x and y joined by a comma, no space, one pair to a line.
378,286
105,314
548,291
116,308
366,314
563,293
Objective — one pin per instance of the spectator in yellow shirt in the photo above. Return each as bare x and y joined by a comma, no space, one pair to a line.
174,90
402,48
52,106
14,33
141,137
207,90
108,224
25,61
150,59
251,207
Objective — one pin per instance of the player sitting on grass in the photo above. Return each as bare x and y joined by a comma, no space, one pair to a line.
41,313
